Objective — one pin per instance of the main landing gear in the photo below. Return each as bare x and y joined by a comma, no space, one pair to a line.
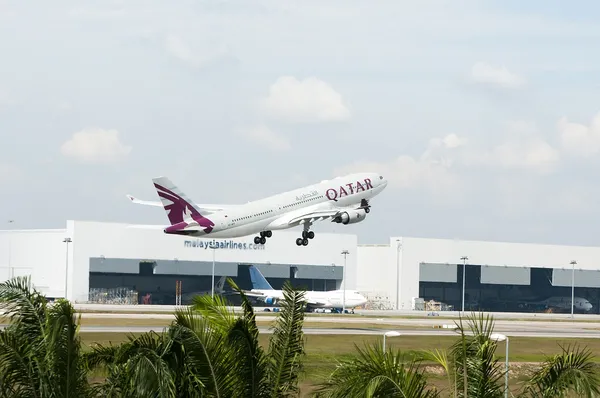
306,235
262,239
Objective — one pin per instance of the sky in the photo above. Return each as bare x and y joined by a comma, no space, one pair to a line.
483,115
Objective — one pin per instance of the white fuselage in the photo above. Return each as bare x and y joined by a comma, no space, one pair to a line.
564,303
324,299
276,212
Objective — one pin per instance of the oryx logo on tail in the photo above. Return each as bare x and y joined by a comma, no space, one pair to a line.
180,211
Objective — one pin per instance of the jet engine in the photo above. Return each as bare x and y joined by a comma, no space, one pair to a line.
270,300
351,216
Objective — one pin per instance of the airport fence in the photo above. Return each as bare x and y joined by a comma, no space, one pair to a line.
115,296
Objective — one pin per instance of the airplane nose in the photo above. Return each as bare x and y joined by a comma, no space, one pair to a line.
383,181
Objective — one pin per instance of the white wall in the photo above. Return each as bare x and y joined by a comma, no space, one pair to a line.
95,239
38,253
373,273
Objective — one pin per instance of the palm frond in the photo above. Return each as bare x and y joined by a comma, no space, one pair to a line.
286,347
477,371
373,373
208,362
572,370
24,305
215,310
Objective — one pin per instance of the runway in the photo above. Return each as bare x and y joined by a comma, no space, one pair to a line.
142,318
130,309
542,332
364,326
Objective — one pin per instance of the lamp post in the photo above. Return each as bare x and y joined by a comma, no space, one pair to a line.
67,241
398,246
391,333
464,258
11,273
573,286
500,337
212,286
345,253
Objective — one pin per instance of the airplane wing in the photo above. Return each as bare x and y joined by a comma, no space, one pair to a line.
248,293
207,208
318,215
315,216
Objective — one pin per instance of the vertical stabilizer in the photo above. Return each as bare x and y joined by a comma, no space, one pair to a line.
258,280
177,205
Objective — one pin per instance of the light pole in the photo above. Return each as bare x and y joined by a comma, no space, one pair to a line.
67,241
464,258
212,288
500,337
345,253
398,246
573,286
391,333
11,272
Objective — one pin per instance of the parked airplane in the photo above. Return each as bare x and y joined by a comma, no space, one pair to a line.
344,200
219,289
564,303
262,290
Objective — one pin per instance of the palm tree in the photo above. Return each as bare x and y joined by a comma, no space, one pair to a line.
375,373
209,351
573,370
473,370
470,365
40,351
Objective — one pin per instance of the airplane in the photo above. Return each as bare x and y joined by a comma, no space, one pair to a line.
343,200
564,303
262,290
219,289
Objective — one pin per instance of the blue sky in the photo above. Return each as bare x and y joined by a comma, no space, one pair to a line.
479,112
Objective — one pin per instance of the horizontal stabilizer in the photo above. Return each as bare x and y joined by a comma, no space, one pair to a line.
204,208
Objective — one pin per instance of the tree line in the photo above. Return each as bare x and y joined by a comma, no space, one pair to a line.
210,351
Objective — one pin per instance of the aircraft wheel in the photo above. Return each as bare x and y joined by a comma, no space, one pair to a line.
257,240
304,234
311,234
305,242
263,240
299,241
367,209
268,234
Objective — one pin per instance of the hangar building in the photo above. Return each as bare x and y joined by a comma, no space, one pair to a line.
499,277
104,256
108,262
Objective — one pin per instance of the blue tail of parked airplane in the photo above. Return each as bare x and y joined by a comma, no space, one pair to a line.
258,280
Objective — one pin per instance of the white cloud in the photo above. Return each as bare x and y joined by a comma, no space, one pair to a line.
310,100
95,145
266,137
523,147
437,169
496,76
534,155
579,139
431,171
